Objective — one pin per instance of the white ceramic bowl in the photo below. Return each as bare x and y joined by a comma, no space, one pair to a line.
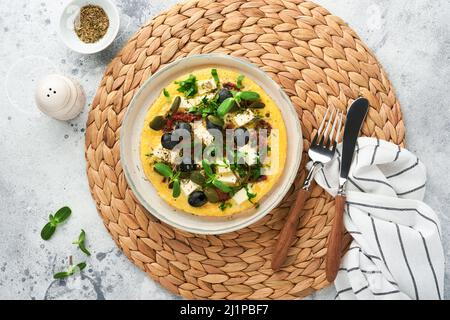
67,30
132,127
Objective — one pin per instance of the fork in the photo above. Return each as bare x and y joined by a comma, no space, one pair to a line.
321,151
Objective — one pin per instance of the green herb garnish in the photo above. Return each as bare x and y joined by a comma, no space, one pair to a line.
176,190
59,217
70,271
174,177
246,95
250,195
224,205
238,96
212,179
188,87
205,108
239,81
166,94
81,242
226,107
216,77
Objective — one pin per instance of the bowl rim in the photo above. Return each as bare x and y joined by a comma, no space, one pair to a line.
86,48
253,217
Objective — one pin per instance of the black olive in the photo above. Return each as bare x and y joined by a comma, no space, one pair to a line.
183,125
186,165
213,122
224,94
241,135
167,142
197,199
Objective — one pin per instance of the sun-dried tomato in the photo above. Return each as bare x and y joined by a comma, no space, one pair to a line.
185,116
180,116
230,86
223,196
261,178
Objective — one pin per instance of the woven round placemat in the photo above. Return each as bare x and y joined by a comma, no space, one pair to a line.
317,59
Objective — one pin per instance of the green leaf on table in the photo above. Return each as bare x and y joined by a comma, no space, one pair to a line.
188,86
81,242
70,271
62,214
163,169
48,231
52,219
61,275
59,217
239,81
81,265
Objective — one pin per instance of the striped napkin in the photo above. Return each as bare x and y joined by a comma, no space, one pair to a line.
396,251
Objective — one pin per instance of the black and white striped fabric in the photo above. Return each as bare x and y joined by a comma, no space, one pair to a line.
397,251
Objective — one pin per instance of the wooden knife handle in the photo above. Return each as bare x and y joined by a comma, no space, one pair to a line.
334,250
289,229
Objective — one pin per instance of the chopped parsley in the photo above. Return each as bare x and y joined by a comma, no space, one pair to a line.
166,94
216,77
239,81
205,107
224,205
250,195
188,87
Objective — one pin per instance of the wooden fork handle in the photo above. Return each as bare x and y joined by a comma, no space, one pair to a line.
334,249
289,229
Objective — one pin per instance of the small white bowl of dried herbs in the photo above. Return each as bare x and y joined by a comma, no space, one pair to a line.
89,26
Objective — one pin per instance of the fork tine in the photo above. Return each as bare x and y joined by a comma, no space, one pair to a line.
338,131
319,131
330,138
327,129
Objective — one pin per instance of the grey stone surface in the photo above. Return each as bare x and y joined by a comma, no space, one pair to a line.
42,160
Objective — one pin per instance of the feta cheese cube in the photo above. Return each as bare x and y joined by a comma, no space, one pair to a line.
241,196
185,103
202,134
250,154
223,167
229,178
189,103
188,186
243,118
164,154
174,156
206,86
160,153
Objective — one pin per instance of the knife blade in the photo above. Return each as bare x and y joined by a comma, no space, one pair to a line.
355,118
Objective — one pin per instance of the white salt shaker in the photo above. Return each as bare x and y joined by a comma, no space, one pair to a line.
59,97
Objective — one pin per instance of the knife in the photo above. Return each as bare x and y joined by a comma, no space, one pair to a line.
355,118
